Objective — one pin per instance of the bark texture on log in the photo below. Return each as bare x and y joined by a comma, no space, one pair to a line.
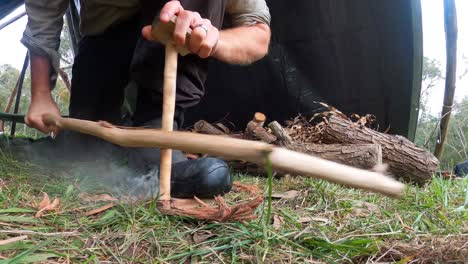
403,157
364,156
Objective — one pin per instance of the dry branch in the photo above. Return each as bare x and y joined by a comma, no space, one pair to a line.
280,132
230,148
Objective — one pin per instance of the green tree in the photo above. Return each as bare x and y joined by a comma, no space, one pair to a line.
8,77
427,123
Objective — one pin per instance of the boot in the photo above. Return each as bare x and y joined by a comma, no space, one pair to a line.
203,178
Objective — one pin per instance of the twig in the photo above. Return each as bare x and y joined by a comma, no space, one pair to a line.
100,209
366,235
12,240
29,232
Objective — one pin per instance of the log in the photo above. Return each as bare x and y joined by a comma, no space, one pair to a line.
259,118
403,157
255,130
364,156
206,128
280,133
257,152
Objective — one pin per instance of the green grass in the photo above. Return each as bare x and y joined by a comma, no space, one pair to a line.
345,225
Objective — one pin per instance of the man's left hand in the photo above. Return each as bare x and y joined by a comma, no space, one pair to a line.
204,37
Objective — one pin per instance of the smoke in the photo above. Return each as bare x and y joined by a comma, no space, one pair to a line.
96,165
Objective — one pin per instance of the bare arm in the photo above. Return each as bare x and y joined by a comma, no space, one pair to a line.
239,45
42,38
41,98
251,46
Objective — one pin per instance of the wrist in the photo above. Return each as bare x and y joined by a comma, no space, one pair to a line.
42,94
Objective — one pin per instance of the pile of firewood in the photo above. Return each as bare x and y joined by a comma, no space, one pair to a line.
333,136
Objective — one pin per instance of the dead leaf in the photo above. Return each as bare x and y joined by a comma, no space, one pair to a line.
287,195
278,222
202,236
45,201
46,205
307,219
96,198
100,209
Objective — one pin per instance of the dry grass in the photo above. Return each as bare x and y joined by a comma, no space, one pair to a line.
321,223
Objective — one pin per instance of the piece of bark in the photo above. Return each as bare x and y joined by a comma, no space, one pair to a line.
364,156
255,131
204,127
403,157
280,133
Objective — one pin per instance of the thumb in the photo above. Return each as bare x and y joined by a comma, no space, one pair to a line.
146,33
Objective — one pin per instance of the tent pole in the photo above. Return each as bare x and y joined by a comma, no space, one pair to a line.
451,36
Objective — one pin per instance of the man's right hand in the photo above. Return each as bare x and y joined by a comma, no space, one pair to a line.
39,107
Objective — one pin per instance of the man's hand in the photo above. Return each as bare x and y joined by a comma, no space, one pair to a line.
41,98
204,37
39,107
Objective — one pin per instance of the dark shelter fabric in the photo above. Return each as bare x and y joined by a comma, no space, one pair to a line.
7,6
362,56
461,169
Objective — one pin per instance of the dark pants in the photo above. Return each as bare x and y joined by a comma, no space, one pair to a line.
102,70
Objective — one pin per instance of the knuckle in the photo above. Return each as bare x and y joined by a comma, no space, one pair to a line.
207,22
179,37
196,15
197,34
184,14
205,45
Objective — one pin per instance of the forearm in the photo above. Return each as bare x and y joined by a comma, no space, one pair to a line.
243,45
40,77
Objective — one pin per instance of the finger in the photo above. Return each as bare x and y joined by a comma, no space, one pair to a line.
196,39
37,125
209,43
172,8
184,20
146,33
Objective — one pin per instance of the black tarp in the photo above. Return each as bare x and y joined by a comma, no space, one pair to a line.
7,6
362,56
